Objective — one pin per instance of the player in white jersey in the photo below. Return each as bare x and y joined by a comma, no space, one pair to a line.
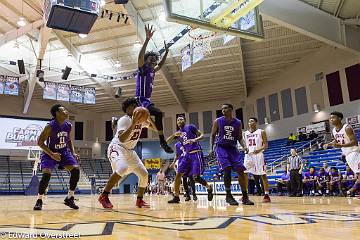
123,158
256,142
344,138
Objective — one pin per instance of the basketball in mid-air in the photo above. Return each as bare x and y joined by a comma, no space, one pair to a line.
143,112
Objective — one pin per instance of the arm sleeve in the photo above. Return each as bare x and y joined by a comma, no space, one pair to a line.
123,124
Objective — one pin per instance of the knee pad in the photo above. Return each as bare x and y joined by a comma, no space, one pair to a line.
74,178
44,182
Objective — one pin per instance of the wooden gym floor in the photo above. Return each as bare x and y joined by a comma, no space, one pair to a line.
285,218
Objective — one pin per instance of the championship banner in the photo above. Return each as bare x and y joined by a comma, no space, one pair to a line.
152,163
50,89
354,121
11,86
89,95
2,80
20,133
76,94
63,92
185,57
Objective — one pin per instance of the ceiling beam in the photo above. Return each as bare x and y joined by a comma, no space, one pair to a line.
16,33
164,71
312,22
77,55
43,42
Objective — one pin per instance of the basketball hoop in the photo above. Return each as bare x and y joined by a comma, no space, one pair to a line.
201,39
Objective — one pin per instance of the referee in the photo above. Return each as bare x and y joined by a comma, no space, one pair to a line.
295,166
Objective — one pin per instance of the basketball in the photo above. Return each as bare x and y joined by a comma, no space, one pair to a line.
144,113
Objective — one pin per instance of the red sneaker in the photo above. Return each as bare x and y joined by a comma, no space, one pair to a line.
105,202
140,203
266,199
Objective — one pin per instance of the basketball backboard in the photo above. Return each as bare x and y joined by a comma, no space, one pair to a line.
212,15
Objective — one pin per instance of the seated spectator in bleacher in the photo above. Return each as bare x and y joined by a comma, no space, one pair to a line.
302,137
283,182
313,135
291,139
326,167
310,179
348,180
295,167
322,182
335,179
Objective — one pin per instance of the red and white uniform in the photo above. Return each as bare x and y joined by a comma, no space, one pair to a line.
254,163
352,154
123,158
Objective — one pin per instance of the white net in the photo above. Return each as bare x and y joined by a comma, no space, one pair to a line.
201,40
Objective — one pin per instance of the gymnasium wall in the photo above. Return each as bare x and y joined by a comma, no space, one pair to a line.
13,106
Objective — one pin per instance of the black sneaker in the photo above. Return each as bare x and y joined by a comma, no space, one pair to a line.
70,203
246,201
195,198
210,194
38,205
187,198
166,147
230,200
174,200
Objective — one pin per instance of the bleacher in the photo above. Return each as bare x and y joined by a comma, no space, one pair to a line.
15,176
276,151
101,168
316,159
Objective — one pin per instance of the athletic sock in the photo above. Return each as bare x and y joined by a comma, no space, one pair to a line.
266,192
71,194
40,196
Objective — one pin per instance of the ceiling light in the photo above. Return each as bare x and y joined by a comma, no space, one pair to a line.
117,64
82,35
21,22
102,3
137,44
162,17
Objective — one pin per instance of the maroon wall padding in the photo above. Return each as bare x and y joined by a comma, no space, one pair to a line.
334,88
353,81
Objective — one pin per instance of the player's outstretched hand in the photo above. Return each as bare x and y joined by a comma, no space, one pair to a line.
56,156
149,31
77,156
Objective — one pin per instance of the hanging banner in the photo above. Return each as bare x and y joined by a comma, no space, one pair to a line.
49,91
89,95
11,86
185,57
2,80
354,121
198,54
152,163
76,94
63,92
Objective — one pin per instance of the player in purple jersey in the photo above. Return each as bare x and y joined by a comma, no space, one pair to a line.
180,155
335,180
148,65
310,179
349,179
227,131
322,182
58,149
193,163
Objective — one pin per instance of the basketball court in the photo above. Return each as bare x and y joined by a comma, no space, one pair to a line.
285,218
288,63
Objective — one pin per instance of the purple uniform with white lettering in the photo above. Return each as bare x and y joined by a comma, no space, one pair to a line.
311,184
144,85
226,144
350,176
194,162
183,161
322,179
335,179
58,142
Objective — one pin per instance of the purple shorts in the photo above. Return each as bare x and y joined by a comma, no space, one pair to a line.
144,102
67,158
192,164
229,157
